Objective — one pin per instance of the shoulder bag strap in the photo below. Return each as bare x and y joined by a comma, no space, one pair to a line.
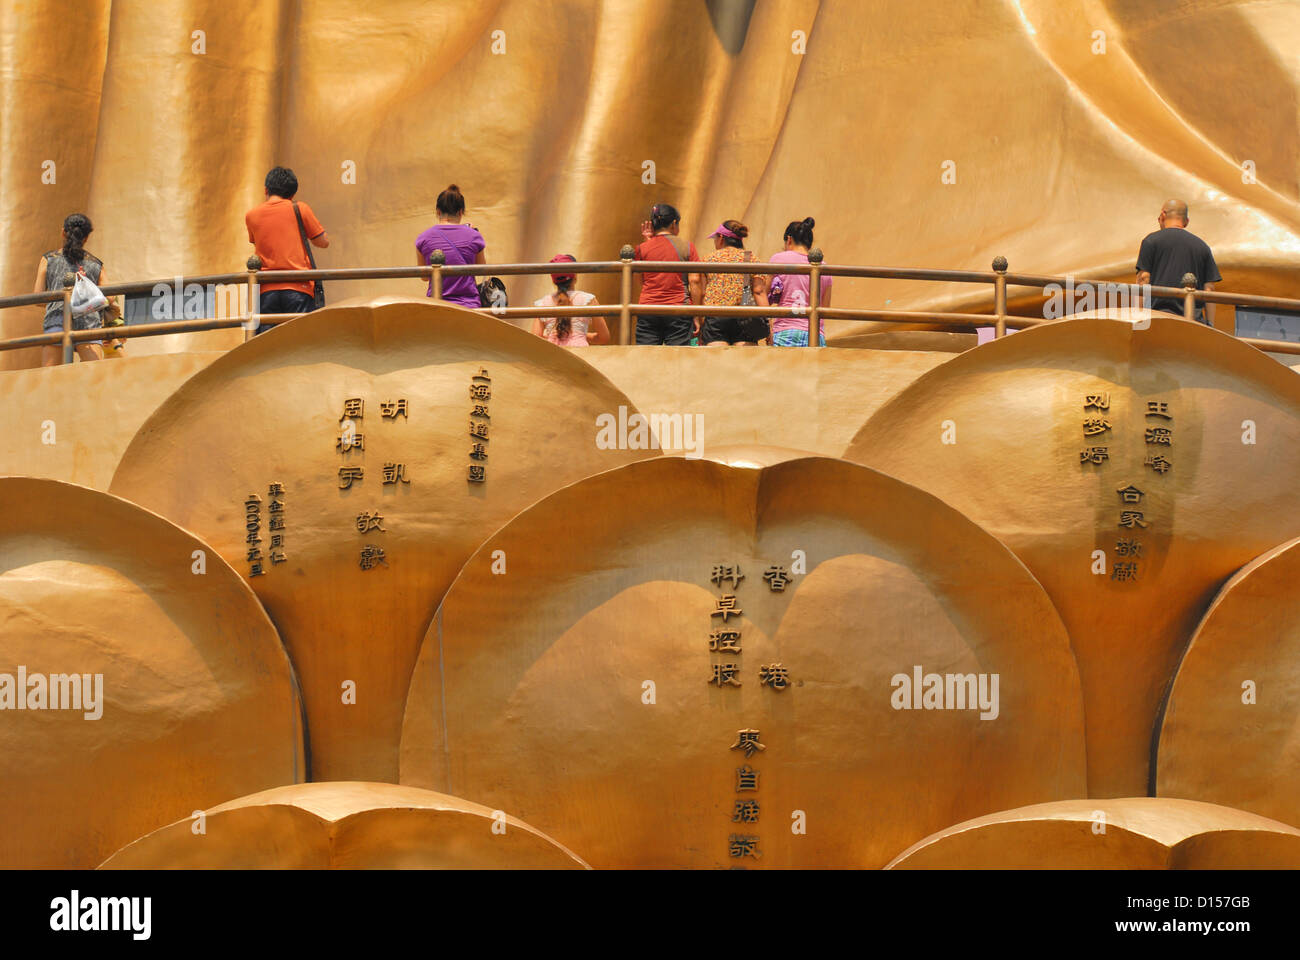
302,232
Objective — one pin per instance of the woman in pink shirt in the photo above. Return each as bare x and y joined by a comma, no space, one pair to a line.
569,331
794,289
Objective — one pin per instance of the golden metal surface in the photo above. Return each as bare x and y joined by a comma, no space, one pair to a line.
94,409
270,412
1017,407
1060,156
198,704
1142,833
347,826
530,690
1230,725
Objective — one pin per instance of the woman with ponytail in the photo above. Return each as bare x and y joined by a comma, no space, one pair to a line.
71,258
460,243
793,287
569,331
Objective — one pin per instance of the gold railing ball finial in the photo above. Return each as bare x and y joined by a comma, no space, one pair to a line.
437,259
999,264
815,255
1189,281
627,253
254,262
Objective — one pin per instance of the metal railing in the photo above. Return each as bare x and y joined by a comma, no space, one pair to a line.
1000,319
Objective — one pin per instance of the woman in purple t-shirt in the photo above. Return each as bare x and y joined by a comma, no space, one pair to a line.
793,289
460,244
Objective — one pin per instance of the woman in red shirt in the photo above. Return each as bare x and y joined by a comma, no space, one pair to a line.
661,243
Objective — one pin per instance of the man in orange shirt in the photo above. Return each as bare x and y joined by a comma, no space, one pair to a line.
273,231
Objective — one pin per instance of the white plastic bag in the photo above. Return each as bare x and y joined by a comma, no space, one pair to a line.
86,297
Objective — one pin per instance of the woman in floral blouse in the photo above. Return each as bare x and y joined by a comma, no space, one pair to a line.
733,289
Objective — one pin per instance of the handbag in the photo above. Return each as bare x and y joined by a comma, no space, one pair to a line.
318,293
752,329
492,293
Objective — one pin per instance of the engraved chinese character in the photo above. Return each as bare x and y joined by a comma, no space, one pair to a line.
353,409
1124,571
392,409
1158,464
275,506
774,675
370,520
395,472
277,540
478,429
1158,408
743,846
745,811
480,391
776,578
348,440
1160,435
726,607
277,557
252,537
256,570
1131,519
1095,425
722,572
277,523
254,553
725,641
747,740
746,778
371,556
478,451
275,490
481,375
1094,454
348,474
1128,548
477,473
251,504
1099,401
480,410
1130,494
725,673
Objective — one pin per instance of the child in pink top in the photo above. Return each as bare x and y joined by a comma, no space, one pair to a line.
569,331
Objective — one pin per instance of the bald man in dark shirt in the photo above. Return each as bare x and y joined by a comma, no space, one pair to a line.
1172,251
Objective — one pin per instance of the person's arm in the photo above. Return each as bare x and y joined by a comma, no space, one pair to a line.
322,239
597,329
1209,307
1143,278
826,297
40,280
537,326
316,234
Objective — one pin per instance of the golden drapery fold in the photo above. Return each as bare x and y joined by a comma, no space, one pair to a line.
1063,126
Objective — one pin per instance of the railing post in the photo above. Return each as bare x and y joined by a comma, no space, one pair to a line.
625,294
254,321
68,280
814,296
1189,297
999,298
436,261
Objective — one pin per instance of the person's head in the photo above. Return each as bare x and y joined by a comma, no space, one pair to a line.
731,233
664,216
76,228
451,203
281,182
563,287
1173,214
800,233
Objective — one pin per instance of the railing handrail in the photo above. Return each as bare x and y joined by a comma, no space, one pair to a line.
1000,319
